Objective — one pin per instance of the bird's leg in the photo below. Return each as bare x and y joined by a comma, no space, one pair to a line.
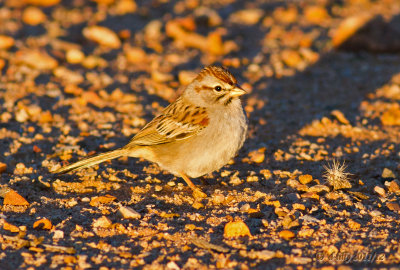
197,193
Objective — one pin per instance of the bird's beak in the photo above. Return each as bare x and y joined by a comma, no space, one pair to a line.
237,91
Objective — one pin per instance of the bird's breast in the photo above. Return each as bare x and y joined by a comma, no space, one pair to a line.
217,143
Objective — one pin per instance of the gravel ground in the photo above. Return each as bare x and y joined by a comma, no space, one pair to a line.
315,185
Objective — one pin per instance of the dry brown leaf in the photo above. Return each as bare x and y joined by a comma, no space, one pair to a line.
13,198
42,224
9,227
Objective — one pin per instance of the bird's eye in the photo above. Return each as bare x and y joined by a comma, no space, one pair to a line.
217,88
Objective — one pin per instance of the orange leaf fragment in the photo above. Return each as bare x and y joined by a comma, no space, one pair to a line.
13,198
9,227
102,200
43,224
305,179
46,117
286,234
236,229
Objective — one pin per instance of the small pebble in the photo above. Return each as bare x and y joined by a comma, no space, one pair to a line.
245,207
318,188
125,7
197,205
33,16
380,191
293,197
6,42
75,56
257,156
21,116
171,183
102,222
103,36
172,266
247,16
218,198
375,213
291,58
58,234
387,173
393,206
305,179
394,186
37,59
129,213
306,232
135,55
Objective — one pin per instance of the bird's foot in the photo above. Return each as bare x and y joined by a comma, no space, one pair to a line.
198,194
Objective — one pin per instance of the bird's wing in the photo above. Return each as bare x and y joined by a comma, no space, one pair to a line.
179,121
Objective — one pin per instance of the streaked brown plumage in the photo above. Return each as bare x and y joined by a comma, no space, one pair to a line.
195,135
219,73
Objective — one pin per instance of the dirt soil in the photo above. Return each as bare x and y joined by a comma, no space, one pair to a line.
315,185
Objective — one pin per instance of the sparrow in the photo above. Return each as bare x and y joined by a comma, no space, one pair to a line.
195,135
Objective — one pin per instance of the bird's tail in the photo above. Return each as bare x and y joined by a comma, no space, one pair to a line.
88,162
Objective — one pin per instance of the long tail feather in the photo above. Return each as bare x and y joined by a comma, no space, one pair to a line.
88,162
